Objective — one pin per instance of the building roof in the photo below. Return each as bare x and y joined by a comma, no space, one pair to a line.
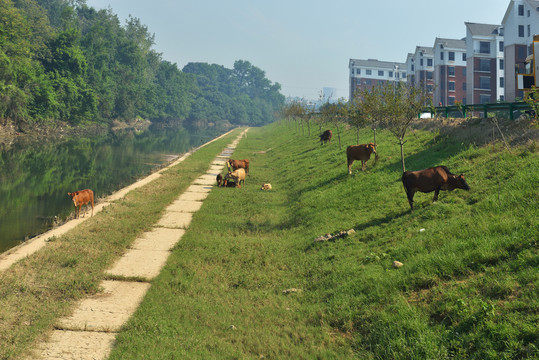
427,50
482,29
377,64
534,4
451,43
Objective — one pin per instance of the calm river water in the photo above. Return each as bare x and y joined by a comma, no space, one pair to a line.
36,177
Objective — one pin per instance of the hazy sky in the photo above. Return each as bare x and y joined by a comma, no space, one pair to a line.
304,45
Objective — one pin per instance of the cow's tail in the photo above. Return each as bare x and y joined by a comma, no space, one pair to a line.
403,179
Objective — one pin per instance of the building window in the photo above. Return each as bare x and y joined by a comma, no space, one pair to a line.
358,71
484,99
421,62
429,62
451,100
441,55
451,70
484,82
464,71
484,64
529,32
500,45
368,81
521,10
521,31
522,52
502,98
451,56
451,86
429,75
429,88
413,68
403,75
369,72
463,56
484,47
464,86
391,74
502,82
501,64
380,73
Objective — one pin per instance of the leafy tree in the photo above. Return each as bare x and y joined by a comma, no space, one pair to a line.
401,104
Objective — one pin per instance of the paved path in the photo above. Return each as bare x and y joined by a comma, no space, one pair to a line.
90,331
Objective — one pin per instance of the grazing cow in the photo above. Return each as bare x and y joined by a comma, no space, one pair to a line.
82,197
359,152
220,180
431,179
233,165
326,136
237,176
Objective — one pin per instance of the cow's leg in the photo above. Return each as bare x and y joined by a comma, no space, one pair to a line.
363,166
436,192
350,162
410,195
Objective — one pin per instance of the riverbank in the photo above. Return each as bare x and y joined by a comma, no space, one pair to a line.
248,279
38,289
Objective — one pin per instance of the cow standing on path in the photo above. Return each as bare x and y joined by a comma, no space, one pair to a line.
431,179
82,197
359,152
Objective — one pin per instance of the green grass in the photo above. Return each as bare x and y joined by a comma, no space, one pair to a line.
45,286
467,290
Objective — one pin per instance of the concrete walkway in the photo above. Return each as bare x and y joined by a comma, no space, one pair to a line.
90,331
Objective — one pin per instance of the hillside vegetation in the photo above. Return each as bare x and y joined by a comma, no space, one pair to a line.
249,281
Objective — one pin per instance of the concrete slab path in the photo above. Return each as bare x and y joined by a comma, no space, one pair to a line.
90,331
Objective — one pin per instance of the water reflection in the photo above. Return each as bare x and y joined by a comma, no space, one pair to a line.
36,177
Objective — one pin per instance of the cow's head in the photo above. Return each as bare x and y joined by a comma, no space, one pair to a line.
458,182
371,147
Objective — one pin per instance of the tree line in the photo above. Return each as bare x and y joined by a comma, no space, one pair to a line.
63,61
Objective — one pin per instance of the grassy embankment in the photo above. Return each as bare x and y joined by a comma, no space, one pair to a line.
467,290
37,290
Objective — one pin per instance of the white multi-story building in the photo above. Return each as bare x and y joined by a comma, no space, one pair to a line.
421,69
365,74
485,80
449,71
520,23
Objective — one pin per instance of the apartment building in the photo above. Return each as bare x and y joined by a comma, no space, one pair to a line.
520,23
485,80
365,74
449,71
420,67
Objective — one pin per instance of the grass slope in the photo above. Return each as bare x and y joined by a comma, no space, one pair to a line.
467,290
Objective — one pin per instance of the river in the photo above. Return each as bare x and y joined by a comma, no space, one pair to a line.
35,177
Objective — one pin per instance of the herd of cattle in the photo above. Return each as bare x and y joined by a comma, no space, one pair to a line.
428,180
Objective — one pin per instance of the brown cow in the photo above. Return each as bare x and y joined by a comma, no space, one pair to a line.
233,165
82,197
237,176
359,152
431,179
325,137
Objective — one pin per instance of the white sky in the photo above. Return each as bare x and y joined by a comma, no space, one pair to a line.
304,45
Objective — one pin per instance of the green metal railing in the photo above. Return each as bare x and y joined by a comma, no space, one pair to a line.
485,108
